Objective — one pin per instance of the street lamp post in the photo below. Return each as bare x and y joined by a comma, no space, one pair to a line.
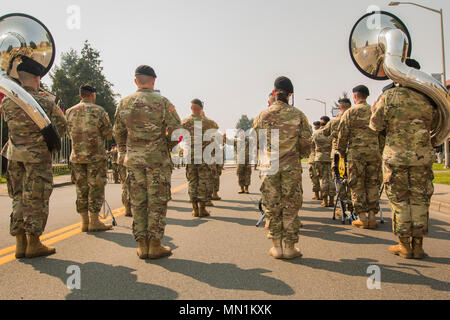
444,74
320,101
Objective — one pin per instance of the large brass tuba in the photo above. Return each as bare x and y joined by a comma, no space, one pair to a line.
23,37
379,46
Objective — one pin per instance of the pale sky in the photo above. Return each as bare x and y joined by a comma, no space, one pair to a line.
228,53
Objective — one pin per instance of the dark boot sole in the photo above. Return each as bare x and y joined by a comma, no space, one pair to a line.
37,255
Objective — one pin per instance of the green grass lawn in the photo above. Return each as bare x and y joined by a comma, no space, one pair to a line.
439,167
442,177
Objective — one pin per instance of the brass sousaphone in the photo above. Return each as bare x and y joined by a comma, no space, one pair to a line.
379,46
24,37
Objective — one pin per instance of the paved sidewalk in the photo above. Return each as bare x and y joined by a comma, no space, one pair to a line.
59,181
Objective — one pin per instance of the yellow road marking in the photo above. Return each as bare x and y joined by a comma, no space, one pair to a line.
69,231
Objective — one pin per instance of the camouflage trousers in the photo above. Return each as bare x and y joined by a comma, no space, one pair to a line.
29,186
282,197
116,174
216,174
314,177
323,171
364,182
409,190
200,182
149,197
90,180
125,187
244,173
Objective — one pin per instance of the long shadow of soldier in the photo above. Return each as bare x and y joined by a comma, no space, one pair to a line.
241,221
189,223
227,276
127,240
389,274
102,281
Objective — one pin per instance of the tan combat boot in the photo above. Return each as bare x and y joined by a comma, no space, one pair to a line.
246,190
362,222
96,225
36,249
21,245
142,250
330,202
216,196
417,248
156,250
209,204
403,249
373,224
203,212
195,211
324,202
338,212
316,196
242,190
84,221
290,251
277,250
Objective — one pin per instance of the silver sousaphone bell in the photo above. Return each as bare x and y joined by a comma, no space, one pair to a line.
379,46
23,36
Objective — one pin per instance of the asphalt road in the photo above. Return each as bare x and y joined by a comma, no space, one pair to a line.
222,257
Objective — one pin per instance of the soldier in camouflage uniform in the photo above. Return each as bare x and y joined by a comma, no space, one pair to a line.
332,130
244,167
217,174
89,128
29,175
407,117
143,122
198,173
312,169
214,172
362,148
322,146
114,155
282,191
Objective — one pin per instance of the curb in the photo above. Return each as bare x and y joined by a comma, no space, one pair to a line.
442,207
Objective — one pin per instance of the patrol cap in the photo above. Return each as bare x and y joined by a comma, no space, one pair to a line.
283,83
31,66
197,102
362,89
345,100
316,123
145,70
88,88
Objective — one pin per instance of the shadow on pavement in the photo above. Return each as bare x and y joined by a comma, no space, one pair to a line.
241,221
189,223
241,209
227,276
389,274
102,281
127,240
179,209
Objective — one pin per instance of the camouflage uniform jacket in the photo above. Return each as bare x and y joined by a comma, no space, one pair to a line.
322,146
143,121
294,131
26,143
189,124
332,130
407,116
89,128
356,137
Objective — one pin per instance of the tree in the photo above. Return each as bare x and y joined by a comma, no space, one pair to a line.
78,69
244,123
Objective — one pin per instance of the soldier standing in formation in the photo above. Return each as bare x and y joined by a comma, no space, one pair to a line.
282,191
217,174
244,167
213,170
143,122
322,147
114,155
89,128
407,117
29,175
361,147
125,183
312,168
198,173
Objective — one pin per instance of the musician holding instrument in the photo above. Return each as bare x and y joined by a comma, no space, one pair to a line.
89,128
29,174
